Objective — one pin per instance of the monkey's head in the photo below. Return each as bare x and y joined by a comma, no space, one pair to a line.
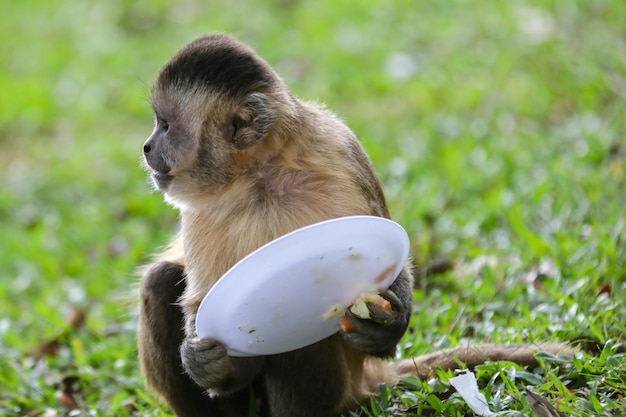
214,102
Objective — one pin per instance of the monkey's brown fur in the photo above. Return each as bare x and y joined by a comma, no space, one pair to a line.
246,162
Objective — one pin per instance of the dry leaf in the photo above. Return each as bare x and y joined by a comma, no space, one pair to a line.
605,289
68,401
49,348
541,406
76,318
67,393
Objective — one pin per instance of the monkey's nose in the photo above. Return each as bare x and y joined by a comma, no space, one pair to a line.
149,145
154,157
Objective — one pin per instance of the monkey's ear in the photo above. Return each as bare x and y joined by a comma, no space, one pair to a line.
251,122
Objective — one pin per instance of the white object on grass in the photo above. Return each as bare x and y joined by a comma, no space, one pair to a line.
467,387
274,300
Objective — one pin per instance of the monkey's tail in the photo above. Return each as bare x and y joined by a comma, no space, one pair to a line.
471,356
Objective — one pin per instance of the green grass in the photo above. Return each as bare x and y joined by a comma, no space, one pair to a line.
498,129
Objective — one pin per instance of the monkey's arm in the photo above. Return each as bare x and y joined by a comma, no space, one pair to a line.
379,334
160,335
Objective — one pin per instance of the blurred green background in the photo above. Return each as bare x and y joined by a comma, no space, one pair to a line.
497,128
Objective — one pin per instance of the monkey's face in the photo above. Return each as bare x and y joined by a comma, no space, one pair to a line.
197,141
201,141
169,148
214,103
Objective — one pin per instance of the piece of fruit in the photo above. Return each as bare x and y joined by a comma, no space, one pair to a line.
345,325
359,308
334,311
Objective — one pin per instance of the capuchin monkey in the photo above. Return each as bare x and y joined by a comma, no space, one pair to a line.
246,162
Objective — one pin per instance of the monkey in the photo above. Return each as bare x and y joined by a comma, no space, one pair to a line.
245,162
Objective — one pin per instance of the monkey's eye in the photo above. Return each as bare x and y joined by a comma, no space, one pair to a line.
163,124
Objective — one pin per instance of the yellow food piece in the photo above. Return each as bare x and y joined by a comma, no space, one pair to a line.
359,308
334,311
370,297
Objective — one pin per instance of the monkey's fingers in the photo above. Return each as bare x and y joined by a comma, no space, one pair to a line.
373,308
197,352
376,335
385,308
207,362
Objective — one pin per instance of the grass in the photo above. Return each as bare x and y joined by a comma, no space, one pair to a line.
497,128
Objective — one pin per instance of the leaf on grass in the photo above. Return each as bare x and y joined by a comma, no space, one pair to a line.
604,289
68,391
68,401
76,318
541,406
49,348
467,387
529,377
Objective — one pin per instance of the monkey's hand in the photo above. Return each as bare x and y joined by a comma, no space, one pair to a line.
378,334
208,364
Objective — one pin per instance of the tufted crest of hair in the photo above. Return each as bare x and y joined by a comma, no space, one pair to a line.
219,64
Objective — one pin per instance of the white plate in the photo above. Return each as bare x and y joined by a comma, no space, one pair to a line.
274,299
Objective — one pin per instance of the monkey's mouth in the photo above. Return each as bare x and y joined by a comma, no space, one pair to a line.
161,179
